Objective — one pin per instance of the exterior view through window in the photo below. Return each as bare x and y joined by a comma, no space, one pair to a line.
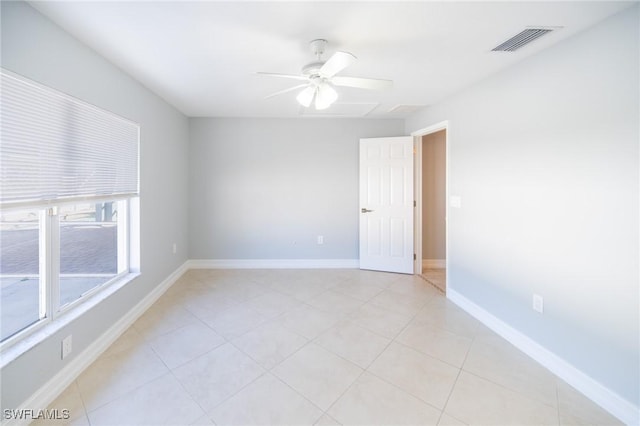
19,270
88,248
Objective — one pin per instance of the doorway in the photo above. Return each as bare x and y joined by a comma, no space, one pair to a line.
431,173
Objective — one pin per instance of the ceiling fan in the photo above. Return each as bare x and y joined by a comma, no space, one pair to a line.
320,78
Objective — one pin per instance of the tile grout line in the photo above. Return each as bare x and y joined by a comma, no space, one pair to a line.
558,400
455,383
404,390
398,342
268,371
84,406
307,343
509,390
190,396
298,393
230,342
326,412
495,383
366,370
226,340
130,390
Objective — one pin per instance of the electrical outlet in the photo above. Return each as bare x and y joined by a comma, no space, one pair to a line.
175,248
66,346
320,239
538,303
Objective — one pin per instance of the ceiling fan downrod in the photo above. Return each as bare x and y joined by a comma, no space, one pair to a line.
317,47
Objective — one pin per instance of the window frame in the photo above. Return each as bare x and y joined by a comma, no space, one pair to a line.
122,250
50,309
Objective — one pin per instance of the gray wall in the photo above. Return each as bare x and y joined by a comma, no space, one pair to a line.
545,158
37,49
266,188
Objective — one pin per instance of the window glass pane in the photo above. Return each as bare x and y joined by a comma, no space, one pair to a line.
19,270
88,247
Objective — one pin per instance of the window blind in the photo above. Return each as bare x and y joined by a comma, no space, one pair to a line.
56,147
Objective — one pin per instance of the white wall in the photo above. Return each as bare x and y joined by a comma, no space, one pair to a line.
545,158
37,49
266,188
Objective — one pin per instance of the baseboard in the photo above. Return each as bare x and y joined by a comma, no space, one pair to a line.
54,387
274,263
434,263
598,393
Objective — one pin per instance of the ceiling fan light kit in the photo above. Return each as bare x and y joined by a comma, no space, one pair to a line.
321,78
323,93
305,97
325,96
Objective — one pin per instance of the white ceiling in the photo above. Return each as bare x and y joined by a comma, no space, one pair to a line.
201,56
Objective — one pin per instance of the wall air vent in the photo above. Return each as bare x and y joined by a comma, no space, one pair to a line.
522,39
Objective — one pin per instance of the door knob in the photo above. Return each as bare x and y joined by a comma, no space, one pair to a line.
363,210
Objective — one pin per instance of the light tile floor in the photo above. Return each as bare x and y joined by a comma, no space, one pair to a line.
323,347
437,277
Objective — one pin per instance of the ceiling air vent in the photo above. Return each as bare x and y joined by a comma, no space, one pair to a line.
405,109
521,39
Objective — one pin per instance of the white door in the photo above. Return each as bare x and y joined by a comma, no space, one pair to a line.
386,204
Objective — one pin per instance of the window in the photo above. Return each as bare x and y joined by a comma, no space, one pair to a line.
69,173
19,270
89,251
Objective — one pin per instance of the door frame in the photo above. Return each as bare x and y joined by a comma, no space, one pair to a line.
417,188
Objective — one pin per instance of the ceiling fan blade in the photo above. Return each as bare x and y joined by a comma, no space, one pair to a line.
290,89
336,63
293,76
362,83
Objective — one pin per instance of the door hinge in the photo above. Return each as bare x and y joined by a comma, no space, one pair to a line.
414,203
414,256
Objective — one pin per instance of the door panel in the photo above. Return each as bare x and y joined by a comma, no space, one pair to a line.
386,204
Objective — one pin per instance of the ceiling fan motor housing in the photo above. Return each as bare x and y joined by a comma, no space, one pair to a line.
312,68
317,47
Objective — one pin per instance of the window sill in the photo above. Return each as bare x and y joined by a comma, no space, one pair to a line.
31,338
